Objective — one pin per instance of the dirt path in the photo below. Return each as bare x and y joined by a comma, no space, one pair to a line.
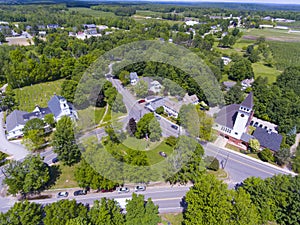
294,146
106,109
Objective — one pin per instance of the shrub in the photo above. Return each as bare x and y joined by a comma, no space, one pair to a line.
266,155
212,163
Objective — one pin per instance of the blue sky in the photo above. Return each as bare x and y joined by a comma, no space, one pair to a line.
241,1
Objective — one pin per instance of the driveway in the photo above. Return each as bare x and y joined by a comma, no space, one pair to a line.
16,151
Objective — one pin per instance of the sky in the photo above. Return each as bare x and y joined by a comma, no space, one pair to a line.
241,1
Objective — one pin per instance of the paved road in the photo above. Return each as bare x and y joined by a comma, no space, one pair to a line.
240,167
168,198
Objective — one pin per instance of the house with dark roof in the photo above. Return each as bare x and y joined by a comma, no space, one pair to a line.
233,121
58,106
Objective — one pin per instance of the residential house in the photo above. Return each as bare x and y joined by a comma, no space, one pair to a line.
155,87
172,108
226,60
154,104
52,26
190,99
247,83
89,26
58,106
229,84
133,78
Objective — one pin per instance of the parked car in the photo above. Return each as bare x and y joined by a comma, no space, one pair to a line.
163,154
62,194
141,101
139,188
80,192
55,160
123,190
174,127
105,190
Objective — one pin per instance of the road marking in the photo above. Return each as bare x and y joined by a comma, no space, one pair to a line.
245,164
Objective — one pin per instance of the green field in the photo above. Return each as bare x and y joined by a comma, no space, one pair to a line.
285,53
260,70
174,219
66,178
37,94
149,13
272,35
92,12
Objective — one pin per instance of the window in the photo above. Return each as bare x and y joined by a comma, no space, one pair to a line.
242,115
236,133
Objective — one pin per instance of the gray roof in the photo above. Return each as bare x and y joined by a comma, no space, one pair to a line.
227,115
14,119
155,104
37,114
248,102
246,137
54,105
267,139
133,76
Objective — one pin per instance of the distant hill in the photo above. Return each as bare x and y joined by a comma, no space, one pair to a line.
224,5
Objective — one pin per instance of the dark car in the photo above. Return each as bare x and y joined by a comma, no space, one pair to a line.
174,127
79,192
140,188
55,160
163,154
107,190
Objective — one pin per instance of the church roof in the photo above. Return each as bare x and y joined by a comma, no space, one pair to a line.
267,139
248,102
227,115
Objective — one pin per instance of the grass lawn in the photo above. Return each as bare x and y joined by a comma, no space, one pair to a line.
140,144
89,117
111,116
66,178
220,174
260,70
92,12
146,13
272,34
234,148
37,94
153,155
174,219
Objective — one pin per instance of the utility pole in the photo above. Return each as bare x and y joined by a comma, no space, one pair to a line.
226,161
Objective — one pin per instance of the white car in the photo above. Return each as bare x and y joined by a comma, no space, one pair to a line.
123,190
62,194
139,188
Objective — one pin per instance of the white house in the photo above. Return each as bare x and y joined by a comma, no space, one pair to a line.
155,86
58,106
133,78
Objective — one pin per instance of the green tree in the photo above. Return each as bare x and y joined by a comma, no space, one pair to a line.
154,130
64,143
244,212
68,89
283,156
87,177
206,123
160,110
33,139
140,213
106,211
143,125
266,155
49,119
27,177
124,77
141,89
131,127
254,145
59,213
23,213
234,95
118,105
2,37
78,221
241,70
34,124
208,202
